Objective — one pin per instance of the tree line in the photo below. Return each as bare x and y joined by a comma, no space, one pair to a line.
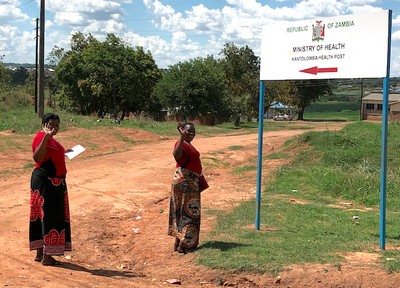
113,77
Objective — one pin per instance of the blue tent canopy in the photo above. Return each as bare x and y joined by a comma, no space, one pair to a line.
278,105
277,108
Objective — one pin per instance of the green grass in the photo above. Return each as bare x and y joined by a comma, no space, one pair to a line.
329,116
291,234
243,169
278,155
333,106
23,120
213,162
333,111
307,210
235,148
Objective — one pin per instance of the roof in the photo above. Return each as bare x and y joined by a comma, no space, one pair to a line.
278,105
393,97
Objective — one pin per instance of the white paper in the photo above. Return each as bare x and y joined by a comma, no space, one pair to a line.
76,150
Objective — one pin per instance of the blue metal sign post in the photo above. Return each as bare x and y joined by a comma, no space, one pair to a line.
260,153
385,110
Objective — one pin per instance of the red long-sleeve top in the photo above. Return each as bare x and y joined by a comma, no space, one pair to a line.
54,160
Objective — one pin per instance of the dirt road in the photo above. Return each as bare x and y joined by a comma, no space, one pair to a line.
119,210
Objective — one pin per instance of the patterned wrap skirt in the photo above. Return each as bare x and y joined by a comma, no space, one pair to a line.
185,208
49,226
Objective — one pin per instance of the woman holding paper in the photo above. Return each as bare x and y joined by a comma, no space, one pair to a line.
49,227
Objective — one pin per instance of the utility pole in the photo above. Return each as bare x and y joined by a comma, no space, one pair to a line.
36,65
41,60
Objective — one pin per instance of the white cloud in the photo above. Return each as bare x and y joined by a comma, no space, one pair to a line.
112,26
83,13
158,8
359,2
10,12
245,5
69,18
202,19
396,21
396,36
13,40
395,62
363,9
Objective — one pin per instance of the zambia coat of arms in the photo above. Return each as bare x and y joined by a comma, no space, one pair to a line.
318,31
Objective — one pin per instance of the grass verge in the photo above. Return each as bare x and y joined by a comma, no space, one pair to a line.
320,208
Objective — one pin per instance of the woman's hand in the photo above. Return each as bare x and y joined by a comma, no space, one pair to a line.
69,150
178,148
182,130
49,130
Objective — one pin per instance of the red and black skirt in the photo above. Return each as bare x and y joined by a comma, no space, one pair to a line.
49,226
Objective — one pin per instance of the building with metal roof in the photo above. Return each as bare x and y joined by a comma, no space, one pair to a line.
371,106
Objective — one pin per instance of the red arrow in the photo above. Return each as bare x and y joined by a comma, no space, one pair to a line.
315,70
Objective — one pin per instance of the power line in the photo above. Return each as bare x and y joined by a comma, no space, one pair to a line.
4,3
23,4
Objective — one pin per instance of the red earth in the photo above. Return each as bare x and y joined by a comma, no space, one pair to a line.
119,199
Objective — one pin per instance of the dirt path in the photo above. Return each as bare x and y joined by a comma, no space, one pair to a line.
119,207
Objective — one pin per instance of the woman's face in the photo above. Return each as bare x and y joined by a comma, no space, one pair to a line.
191,132
53,124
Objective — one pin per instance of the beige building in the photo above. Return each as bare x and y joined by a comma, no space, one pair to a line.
371,108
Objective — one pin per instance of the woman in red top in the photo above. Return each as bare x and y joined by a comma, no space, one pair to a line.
49,226
185,208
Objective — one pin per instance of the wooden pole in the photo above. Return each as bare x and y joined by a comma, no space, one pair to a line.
41,60
36,65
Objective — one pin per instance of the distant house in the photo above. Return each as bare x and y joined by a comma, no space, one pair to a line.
277,108
371,108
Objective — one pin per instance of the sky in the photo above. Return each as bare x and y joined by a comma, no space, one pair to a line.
172,30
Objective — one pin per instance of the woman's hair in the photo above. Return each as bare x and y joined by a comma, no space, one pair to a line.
49,116
188,123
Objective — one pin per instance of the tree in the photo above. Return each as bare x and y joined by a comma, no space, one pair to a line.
242,70
309,91
147,75
55,55
5,77
278,91
194,88
19,76
29,86
106,76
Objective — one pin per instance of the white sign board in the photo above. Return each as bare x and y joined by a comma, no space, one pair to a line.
350,46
